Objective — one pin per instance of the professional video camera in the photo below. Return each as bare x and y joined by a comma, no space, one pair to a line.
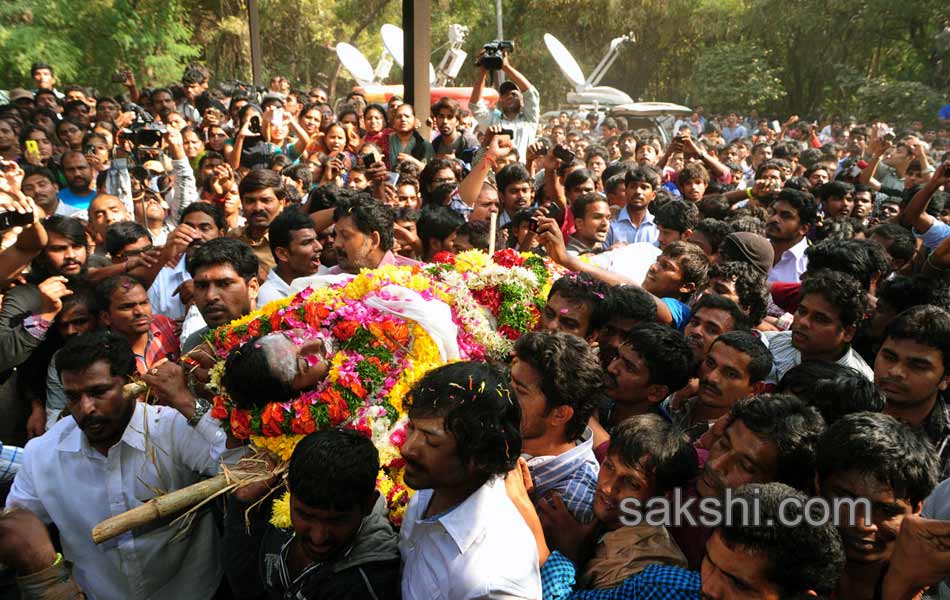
492,57
236,87
145,132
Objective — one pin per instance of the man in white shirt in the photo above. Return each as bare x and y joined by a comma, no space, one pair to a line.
831,307
793,214
462,538
115,454
517,107
172,291
293,242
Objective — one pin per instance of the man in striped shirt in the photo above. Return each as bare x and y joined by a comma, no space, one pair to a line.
558,380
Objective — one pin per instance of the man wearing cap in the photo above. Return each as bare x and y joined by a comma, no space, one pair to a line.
517,105
45,78
22,100
747,247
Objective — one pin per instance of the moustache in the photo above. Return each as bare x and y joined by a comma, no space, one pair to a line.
91,421
714,477
259,213
710,387
892,382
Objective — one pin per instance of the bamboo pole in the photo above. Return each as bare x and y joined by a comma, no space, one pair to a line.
492,232
160,507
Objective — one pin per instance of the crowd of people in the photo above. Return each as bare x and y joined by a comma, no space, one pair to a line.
754,309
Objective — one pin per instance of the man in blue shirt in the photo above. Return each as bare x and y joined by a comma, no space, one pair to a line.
78,192
635,222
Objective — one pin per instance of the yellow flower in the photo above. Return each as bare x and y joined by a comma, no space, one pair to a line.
275,305
471,260
282,445
280,514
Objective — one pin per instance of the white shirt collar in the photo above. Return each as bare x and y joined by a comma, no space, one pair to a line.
465,522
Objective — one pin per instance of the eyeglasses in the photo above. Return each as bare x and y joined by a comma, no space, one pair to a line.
441,180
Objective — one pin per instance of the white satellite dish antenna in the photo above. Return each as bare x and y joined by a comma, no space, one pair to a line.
392,41
586,90
355,63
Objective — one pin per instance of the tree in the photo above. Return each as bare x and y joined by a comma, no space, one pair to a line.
730,76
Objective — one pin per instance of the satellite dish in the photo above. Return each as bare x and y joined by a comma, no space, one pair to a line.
392,41
355,63
563,58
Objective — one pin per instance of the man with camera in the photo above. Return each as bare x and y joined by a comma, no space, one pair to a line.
518,100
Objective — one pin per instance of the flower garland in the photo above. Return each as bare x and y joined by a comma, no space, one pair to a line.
378,356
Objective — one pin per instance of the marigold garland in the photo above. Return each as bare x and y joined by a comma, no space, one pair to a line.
378,356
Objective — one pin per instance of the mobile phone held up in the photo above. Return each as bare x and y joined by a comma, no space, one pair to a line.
564,155
14,219
255,125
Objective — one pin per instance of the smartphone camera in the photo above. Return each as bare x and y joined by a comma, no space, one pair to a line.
255,125
564,155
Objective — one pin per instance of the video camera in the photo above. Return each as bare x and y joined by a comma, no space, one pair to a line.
492,59
145,132
236,87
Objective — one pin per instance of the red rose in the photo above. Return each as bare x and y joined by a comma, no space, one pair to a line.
337,410
344,330
444,258
303,426
509,332
254,328
272,418
240,424
507,258
219,410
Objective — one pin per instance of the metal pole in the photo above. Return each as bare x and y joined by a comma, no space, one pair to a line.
417,44
499,34
254,26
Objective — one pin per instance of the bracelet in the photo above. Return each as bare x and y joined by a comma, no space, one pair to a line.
748,193
58,561
930,263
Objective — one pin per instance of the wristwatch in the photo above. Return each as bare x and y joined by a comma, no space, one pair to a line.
201,407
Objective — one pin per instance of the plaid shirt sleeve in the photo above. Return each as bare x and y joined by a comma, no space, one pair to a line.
11,459
656,582
578,495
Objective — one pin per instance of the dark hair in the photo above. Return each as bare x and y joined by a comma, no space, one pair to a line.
334,469
577,177
902,292
580,204
105,288
879,445
751,286
121,234
671,461
278,234
803,203
301,174
209,209
926,325
840,395
903,243
692,171
448,103
664,350
249,379
581,287
428,174
714,206
82,351
789,423
437,222
746,342
209,155
262,179
485,420
800,558
714,231
630,302
569,373
378,108
404,213
368,215
851,257
770,165
70,228
477,233
677,215
797,379
716,302
693,262
841,291
31,171
643,173
513,173
195,73
224,251
838,189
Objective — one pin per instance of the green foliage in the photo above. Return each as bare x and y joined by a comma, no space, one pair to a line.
88,41
898,101
736,75
805,57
